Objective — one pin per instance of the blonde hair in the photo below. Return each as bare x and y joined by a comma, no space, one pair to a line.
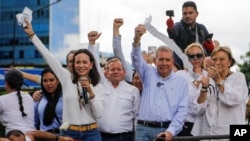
202,51
194,45
225,49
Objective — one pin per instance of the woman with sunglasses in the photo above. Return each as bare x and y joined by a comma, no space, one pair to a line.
223,103
82,92
197,78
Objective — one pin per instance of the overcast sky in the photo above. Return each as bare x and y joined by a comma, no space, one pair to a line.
228,20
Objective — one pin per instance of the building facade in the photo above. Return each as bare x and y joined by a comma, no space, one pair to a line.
15,47
49,22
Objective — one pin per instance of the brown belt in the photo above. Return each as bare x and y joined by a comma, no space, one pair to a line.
83,127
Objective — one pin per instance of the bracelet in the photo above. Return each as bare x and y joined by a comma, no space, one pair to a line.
222,82
135,45
91,97
204,87
57,137
203,90
31,35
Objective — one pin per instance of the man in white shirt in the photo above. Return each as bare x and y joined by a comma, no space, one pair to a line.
121,103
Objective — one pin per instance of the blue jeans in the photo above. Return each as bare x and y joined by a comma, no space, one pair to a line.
90,135
145,133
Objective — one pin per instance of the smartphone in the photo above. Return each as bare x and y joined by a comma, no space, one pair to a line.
152,50
170,13
209,36
161,138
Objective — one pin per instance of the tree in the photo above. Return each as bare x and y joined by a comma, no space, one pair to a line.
245,66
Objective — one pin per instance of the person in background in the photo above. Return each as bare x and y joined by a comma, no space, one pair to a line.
69,60
117,49
216,43
37,79
16,107
161,92
196,77
82,91
18,135
132,76
48,110
136,81
188,31
148,57
36,94
122,99
208,62
223,102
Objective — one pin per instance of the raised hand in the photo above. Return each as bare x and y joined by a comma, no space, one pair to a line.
139,31
93,36
118,22
28,29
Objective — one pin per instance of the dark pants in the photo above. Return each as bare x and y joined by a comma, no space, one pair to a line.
129,136
186,130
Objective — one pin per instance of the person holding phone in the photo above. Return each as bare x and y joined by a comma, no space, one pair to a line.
188,31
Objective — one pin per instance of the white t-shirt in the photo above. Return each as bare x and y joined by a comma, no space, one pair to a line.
10,115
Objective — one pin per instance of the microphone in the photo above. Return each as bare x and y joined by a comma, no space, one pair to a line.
84,92
159,84
85,96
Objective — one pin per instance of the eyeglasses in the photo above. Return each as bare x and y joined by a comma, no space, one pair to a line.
192,56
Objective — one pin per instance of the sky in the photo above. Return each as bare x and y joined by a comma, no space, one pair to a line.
228,20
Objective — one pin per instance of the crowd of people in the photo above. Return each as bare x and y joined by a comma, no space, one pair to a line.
157,99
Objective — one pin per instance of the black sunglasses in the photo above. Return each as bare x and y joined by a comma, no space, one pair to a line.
192,56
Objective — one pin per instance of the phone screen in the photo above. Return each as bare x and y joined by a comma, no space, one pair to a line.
152,50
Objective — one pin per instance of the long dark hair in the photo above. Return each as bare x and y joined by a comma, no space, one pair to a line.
15,80
50,109
93,73
15,133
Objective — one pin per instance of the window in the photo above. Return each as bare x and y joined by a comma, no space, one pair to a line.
21,54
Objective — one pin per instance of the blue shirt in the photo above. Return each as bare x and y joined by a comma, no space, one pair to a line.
39,111
163,99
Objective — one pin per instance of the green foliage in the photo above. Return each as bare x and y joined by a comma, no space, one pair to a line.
245,66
